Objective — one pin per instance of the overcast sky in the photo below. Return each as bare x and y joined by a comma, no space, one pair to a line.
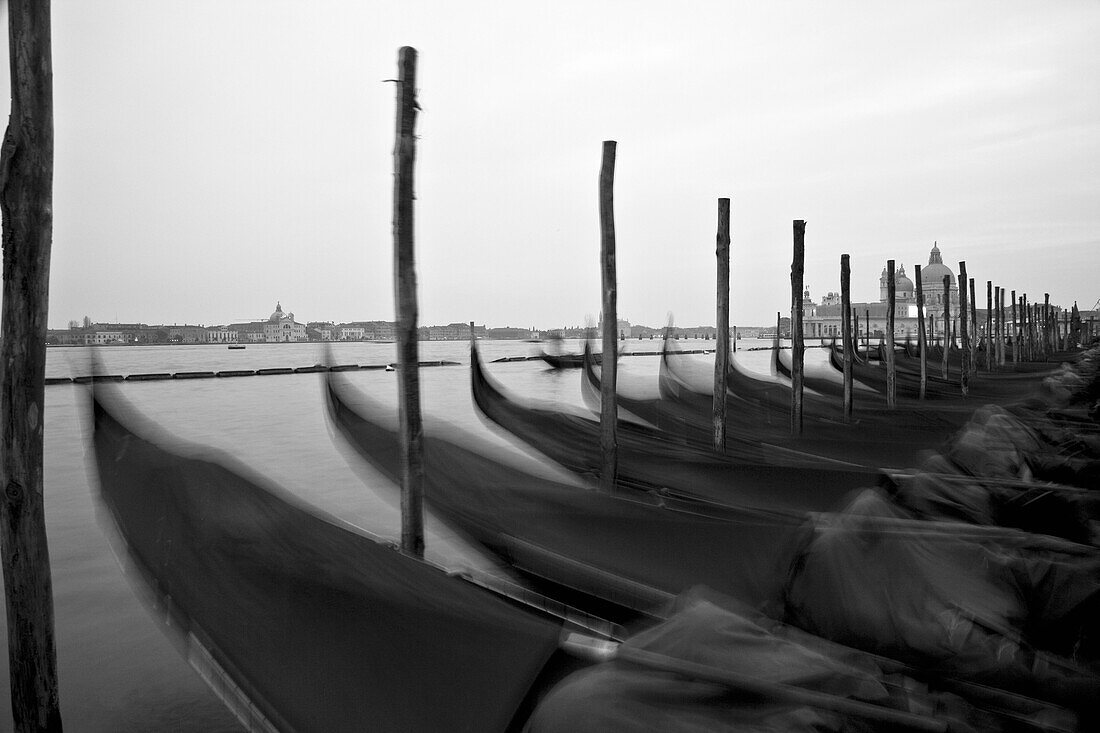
213,158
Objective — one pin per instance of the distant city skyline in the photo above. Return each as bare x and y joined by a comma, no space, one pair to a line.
212,157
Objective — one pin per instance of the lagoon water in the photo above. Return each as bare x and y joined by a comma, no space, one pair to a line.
118,670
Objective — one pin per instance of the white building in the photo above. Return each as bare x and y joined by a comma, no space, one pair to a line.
281,327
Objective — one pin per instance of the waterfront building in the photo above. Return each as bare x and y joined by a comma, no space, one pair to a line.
349,332
279,327
321,331
221,335
823,319
186,334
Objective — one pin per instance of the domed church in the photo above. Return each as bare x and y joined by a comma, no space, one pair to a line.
281,327
824,320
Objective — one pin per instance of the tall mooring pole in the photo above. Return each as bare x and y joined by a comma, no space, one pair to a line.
404,279
922,337
609,415
946,323
989,326
964,317
891,373
846,333
722,327
797,355
26,201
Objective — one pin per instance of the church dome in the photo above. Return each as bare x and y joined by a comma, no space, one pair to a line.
278,314
934,272
902,283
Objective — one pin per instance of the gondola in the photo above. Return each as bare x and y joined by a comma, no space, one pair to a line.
302,624
1059,454
800,568
564,361
1003,388
747,474
683,414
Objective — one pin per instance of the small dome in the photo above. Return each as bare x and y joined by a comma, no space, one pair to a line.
902,282
935,270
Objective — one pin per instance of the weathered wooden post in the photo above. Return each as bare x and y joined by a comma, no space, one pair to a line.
404,276
964,314
846,333
891,374
797,356
974,328
997,325
1032,331
867,330
26,200
922,338
989,323
1003,336
722,347
946,323
1015,333
1046,325
1025,327
609,414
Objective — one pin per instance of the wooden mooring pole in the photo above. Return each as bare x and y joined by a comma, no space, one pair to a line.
891,373
26,199
989,323
973,328
997,325
846,333
1015,332
1029,324
1047,346
1003,336
946,323
867,329
922,338
964,315
722,332
404,278
797,356
609,415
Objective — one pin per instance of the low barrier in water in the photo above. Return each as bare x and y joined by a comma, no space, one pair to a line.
155,376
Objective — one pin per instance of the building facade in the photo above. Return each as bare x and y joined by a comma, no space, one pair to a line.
824,319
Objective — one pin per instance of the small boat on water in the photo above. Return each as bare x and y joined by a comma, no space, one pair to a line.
236,346
567,361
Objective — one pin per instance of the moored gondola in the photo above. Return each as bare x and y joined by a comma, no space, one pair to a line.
615,546
302,623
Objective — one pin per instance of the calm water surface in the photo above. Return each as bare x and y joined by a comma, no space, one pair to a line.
118,671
